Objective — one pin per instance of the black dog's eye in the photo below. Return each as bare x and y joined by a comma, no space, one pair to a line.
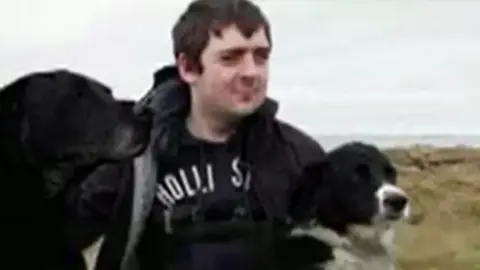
80,94
362,171
390,172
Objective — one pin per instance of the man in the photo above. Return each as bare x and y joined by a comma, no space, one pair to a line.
225,166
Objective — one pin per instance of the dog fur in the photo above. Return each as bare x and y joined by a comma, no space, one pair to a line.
56,126
351,211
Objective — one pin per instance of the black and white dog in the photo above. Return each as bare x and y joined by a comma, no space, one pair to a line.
346,218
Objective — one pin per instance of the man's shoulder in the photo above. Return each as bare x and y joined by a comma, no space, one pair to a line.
295,134
308,149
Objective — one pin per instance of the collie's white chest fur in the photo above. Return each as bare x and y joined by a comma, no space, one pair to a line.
363,248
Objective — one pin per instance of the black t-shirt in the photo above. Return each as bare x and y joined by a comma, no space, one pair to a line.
217,171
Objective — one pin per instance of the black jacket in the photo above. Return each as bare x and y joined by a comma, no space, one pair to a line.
111,201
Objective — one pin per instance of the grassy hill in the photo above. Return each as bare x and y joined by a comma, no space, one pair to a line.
444,184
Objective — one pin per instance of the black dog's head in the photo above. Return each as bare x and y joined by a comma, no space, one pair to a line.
62,122
355,184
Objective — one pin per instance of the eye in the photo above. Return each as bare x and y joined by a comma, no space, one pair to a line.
228,58
262,56
80,93
390,172
362,171
231,57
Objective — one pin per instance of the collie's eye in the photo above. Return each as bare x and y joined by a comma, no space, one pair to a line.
390,172
362,171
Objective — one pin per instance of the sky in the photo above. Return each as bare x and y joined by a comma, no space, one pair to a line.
338,67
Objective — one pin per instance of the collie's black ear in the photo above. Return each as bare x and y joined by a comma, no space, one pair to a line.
308,192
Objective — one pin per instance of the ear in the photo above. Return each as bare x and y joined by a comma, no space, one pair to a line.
187,70
41,97
308,191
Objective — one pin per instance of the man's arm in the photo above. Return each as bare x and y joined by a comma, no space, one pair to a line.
309,155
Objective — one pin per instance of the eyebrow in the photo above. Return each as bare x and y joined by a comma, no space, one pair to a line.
242,50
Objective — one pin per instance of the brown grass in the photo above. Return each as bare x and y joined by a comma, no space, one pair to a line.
444,184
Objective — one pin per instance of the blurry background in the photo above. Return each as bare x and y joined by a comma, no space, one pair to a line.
398,68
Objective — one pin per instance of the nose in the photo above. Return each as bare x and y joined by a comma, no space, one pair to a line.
395,201
249,66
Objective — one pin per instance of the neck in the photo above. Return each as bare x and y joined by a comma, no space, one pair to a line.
206,126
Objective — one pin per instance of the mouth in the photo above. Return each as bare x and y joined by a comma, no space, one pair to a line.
245,94
393,216
246,97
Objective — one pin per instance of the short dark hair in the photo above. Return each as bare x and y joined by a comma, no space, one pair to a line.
192,30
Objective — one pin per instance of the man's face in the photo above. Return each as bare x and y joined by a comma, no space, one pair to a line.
235,73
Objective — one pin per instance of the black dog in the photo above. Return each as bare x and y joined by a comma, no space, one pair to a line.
345,219
55,128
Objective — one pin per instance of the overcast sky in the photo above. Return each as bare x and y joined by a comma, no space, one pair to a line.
372,67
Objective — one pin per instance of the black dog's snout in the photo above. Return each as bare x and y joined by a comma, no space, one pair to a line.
396,201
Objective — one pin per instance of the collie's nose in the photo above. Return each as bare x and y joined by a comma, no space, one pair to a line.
395,201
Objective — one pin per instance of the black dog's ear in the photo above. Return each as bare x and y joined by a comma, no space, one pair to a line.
308,192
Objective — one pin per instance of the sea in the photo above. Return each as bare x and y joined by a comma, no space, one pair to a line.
386,141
